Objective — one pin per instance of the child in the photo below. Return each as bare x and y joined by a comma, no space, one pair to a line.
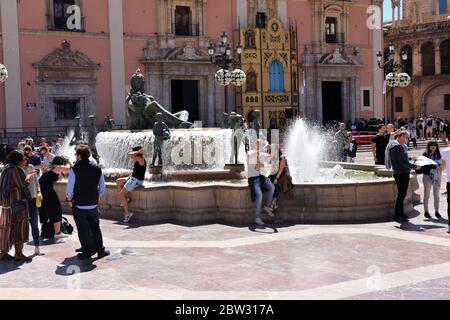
353,148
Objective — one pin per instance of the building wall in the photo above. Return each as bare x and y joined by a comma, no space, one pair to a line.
420,9
141,29
425,94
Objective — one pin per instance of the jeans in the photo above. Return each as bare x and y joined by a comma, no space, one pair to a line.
34,222
427,185
268,185
89,233
402,181
448,203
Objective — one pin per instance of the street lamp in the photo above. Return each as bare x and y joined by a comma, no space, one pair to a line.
223,58
392,77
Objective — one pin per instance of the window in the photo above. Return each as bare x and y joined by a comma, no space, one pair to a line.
251,82
446,101
399,104
442,6
250,39
183,21
428,59
331,30
276,75
445,57
366,98
66,109
261,20
60,13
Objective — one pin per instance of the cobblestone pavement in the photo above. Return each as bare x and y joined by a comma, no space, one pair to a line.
169,261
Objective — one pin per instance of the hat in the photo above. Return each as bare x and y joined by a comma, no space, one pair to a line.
137,148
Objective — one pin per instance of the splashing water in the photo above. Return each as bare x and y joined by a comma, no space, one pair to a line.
306,146
187,149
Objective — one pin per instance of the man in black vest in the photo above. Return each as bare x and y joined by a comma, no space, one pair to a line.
84,186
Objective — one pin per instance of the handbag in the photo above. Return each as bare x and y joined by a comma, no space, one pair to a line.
66,227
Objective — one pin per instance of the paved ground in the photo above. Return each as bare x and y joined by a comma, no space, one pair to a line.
359,261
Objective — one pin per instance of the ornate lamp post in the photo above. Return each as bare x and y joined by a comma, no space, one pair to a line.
223,58
392,77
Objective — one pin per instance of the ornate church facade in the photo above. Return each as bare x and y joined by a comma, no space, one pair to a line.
421,28
314,58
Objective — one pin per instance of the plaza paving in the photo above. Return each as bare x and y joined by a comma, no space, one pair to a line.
167,261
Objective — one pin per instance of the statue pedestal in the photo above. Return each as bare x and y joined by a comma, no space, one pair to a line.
156,170
235,167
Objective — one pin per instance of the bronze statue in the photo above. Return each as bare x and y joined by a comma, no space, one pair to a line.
161,133
109,123
257,121
225,121
236,122
78,134
143,108
92,138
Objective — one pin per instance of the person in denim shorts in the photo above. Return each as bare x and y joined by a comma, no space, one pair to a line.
127,185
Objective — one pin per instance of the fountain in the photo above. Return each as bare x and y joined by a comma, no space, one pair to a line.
196,191
195,188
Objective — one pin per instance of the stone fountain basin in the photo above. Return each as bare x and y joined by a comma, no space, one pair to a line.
229,201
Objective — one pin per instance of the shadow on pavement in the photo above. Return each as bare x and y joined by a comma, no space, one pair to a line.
408,226
73,265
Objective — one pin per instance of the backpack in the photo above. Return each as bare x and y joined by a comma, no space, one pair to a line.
48,231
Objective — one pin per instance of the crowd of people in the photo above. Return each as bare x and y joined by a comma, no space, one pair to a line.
28,198
390,149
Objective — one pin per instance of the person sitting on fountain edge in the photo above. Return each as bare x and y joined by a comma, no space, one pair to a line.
256,162
127,185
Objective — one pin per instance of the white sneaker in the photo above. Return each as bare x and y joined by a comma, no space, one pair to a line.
60,236
37,251
259,221
128,217
268,210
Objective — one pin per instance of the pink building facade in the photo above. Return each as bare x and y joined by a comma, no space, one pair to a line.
56,72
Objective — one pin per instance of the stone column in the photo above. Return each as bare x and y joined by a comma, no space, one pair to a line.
416,60
378,75
211,107
437,56
318,112
393,11
167,92
117,54
11,59
317,22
